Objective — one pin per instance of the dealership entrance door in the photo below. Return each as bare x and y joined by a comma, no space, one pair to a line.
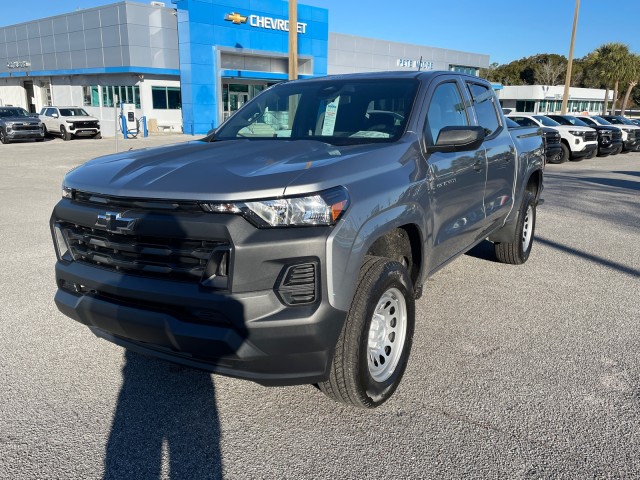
236,93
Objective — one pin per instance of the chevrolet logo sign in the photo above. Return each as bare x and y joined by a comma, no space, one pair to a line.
235,18
115,223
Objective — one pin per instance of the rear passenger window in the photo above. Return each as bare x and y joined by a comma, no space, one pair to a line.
483,102
446,110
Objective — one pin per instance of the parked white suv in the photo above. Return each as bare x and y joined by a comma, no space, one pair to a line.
69,122
577,142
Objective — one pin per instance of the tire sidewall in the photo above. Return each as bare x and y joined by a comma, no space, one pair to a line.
526,203
394,275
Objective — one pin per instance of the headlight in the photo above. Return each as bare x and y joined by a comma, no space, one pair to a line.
323,208
577,133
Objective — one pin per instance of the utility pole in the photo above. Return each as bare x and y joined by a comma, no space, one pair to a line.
293,40
567,82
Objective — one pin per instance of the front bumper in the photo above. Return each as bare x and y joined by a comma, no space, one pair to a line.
588,149
609,148
246,329
24,134
551,152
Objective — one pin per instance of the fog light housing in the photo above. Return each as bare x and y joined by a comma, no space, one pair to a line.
62,245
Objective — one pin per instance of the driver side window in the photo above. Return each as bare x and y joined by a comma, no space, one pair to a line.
446,110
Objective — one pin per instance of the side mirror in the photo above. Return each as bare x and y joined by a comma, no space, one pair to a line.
458,139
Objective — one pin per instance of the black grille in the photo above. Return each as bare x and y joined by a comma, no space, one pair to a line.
136,203
89,124
298,284
552,138
180,259
617,135
590,136
31,127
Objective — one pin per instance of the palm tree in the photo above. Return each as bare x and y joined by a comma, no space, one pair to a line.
610,63
633,71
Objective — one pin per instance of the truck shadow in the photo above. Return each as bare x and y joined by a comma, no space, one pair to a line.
485,250
164,411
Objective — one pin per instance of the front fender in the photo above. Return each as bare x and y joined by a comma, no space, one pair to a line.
347,247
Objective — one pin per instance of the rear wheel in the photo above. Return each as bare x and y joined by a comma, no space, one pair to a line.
372,351
3,137
517,251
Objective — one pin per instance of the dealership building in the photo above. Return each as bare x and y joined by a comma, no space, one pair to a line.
189,64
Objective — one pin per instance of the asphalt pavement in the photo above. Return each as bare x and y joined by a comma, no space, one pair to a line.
516,372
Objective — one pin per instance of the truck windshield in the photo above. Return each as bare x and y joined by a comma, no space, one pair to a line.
568,120
333,111
546,121
73,112
13,112
601,120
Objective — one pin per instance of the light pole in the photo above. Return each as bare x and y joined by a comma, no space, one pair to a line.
567,82
293,40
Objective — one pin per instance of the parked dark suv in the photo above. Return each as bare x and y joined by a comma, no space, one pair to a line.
17,124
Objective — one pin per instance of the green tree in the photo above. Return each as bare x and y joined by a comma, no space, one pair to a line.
611,65
632,71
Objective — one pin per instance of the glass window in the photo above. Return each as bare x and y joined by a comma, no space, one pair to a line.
524,121
91,96
166,98
340,112
484,104
445,110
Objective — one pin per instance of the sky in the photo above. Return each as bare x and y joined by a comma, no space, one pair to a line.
506,30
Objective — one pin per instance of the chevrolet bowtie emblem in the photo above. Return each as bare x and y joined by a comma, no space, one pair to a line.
115,223
235,18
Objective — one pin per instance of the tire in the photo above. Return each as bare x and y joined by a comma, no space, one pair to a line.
592,154
3,137
66,136
39,139
566,153
45,131
98,136
517,251
374,345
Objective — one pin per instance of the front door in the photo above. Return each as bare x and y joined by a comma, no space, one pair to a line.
456,179
237,100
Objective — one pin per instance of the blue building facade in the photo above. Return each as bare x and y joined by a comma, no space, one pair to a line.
231,50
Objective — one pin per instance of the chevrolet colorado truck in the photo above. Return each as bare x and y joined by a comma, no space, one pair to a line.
290,245
609,137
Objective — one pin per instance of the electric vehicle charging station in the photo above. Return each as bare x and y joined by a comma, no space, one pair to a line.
130,125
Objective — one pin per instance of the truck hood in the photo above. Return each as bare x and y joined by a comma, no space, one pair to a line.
227,170
27,120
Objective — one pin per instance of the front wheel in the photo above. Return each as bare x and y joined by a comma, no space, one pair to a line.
517,251
66,136
373,349
3,137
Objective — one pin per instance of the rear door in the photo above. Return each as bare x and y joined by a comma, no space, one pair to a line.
500,153
456,180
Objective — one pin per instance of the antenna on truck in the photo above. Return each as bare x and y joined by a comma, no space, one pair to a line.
420,63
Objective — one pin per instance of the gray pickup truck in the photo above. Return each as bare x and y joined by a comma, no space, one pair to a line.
290,245
18,124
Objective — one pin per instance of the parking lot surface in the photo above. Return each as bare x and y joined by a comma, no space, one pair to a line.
526,371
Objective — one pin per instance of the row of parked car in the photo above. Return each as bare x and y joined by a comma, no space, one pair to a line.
67,122
576,137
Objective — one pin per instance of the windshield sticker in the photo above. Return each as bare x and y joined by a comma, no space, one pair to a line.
330,113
